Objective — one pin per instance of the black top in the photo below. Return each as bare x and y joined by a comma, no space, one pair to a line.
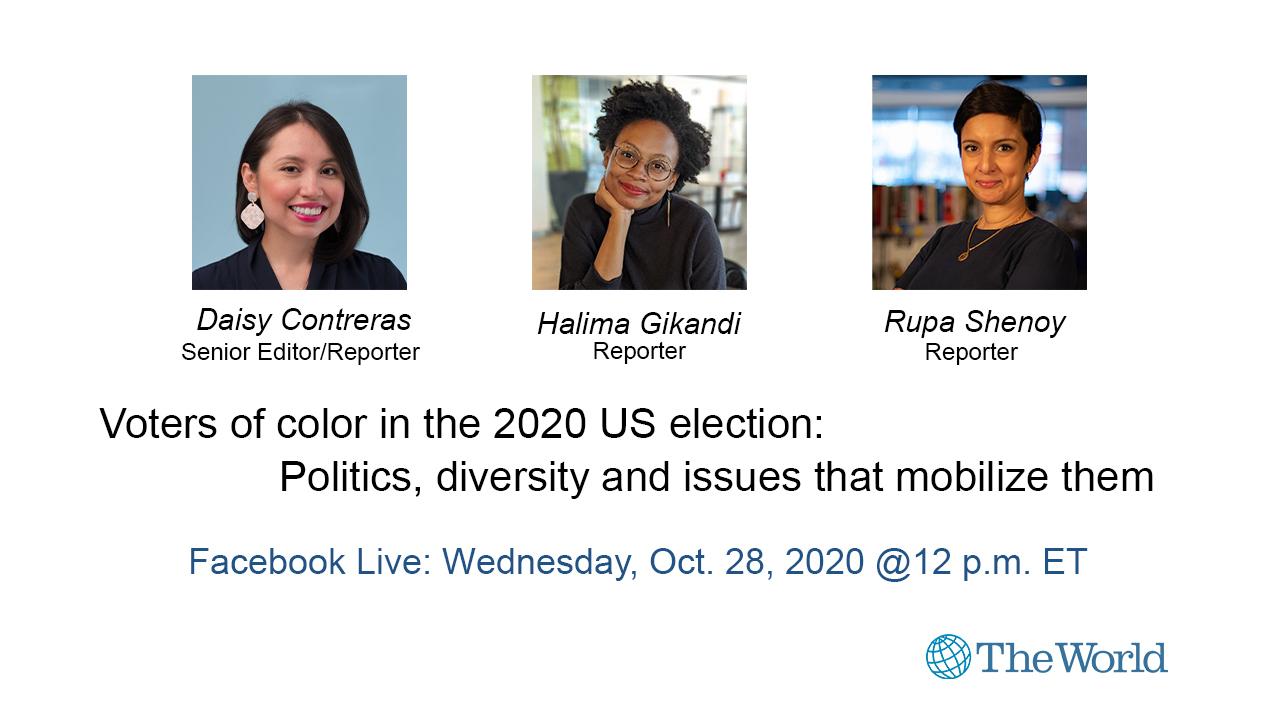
250,270
684,256
1033,255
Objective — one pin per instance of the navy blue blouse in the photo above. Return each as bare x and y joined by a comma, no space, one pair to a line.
1032,255
250,270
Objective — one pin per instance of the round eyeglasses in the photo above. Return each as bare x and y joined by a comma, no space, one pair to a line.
627,157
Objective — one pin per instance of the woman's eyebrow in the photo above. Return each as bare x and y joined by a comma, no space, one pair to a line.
633,147
296,159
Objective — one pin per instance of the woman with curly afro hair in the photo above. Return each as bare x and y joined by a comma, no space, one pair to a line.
636,232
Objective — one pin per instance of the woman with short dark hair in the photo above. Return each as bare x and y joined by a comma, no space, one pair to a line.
635,232
998,131
301,209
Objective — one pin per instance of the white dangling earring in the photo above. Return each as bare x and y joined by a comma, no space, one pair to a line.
252,215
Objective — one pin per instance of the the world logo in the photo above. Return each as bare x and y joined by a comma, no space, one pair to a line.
948,656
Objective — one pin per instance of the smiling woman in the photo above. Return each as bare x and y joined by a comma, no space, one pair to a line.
301,209
998,130
635,232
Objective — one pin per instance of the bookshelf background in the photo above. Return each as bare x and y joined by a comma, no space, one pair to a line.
903,219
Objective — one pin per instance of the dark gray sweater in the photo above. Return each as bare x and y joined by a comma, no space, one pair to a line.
685,256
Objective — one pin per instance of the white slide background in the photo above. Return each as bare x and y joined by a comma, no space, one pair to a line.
1165,362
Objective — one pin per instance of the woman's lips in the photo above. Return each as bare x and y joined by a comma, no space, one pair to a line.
986,184
308,212
632,189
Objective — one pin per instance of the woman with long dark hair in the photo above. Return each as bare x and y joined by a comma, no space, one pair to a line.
300,209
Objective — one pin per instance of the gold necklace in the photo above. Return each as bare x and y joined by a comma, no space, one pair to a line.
970,248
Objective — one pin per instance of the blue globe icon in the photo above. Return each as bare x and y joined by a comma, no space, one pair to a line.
948,656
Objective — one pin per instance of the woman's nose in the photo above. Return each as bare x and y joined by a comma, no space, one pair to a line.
310,184
986,161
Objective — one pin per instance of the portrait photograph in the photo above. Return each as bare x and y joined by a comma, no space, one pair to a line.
298,183
979,182
639,182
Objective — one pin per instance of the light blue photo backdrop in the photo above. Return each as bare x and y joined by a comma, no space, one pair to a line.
373,111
